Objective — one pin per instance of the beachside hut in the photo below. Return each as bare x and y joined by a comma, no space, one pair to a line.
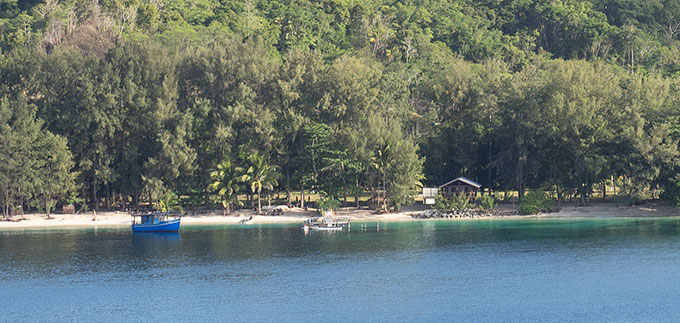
460,185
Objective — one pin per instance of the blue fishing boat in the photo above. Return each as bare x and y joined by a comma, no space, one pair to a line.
156,222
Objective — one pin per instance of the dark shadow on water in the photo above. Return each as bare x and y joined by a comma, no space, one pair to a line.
153,237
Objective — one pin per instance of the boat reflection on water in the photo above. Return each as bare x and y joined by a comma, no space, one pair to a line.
152,237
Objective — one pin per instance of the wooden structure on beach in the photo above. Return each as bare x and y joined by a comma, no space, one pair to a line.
460,185
377,201
68,209
19,210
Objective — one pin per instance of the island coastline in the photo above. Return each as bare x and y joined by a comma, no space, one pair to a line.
297,215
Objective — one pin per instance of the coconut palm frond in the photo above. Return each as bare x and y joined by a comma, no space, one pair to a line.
226,182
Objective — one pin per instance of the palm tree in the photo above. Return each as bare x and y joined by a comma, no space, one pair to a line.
381,161
261,174
226,182
169,202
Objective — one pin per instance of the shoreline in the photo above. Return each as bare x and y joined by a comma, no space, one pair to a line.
597,210
124,219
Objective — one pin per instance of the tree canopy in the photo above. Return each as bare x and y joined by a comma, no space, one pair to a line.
121,102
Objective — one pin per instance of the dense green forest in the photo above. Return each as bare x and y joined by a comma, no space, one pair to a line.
117,102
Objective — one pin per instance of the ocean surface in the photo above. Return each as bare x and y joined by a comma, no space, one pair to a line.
580,270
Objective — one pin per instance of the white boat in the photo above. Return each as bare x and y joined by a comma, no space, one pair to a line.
331,228
323,227
328,223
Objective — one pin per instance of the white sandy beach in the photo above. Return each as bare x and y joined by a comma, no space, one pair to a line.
298,215
115,219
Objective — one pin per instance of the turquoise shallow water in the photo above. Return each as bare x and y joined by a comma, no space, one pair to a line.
613,270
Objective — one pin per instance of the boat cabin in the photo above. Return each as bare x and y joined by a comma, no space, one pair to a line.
150,219
460,185
154,217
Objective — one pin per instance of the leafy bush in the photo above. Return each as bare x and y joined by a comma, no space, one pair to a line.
441,203
671,193
457,202
536,201
637,198
73,200
487,201
328,204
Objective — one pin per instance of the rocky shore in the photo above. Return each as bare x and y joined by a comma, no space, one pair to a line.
467,213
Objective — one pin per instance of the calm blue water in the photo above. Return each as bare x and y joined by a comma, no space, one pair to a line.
623,270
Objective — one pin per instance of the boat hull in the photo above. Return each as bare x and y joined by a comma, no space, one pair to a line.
325,228
163,226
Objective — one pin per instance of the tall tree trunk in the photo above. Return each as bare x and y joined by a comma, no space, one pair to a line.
582,188
583,194
21,204
6,208
288,187
94,194
583,197
6,202
83,193
521,175
384,189
259,201
135,198
488,176
108,197
604,189
302,195
356,192
344,186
